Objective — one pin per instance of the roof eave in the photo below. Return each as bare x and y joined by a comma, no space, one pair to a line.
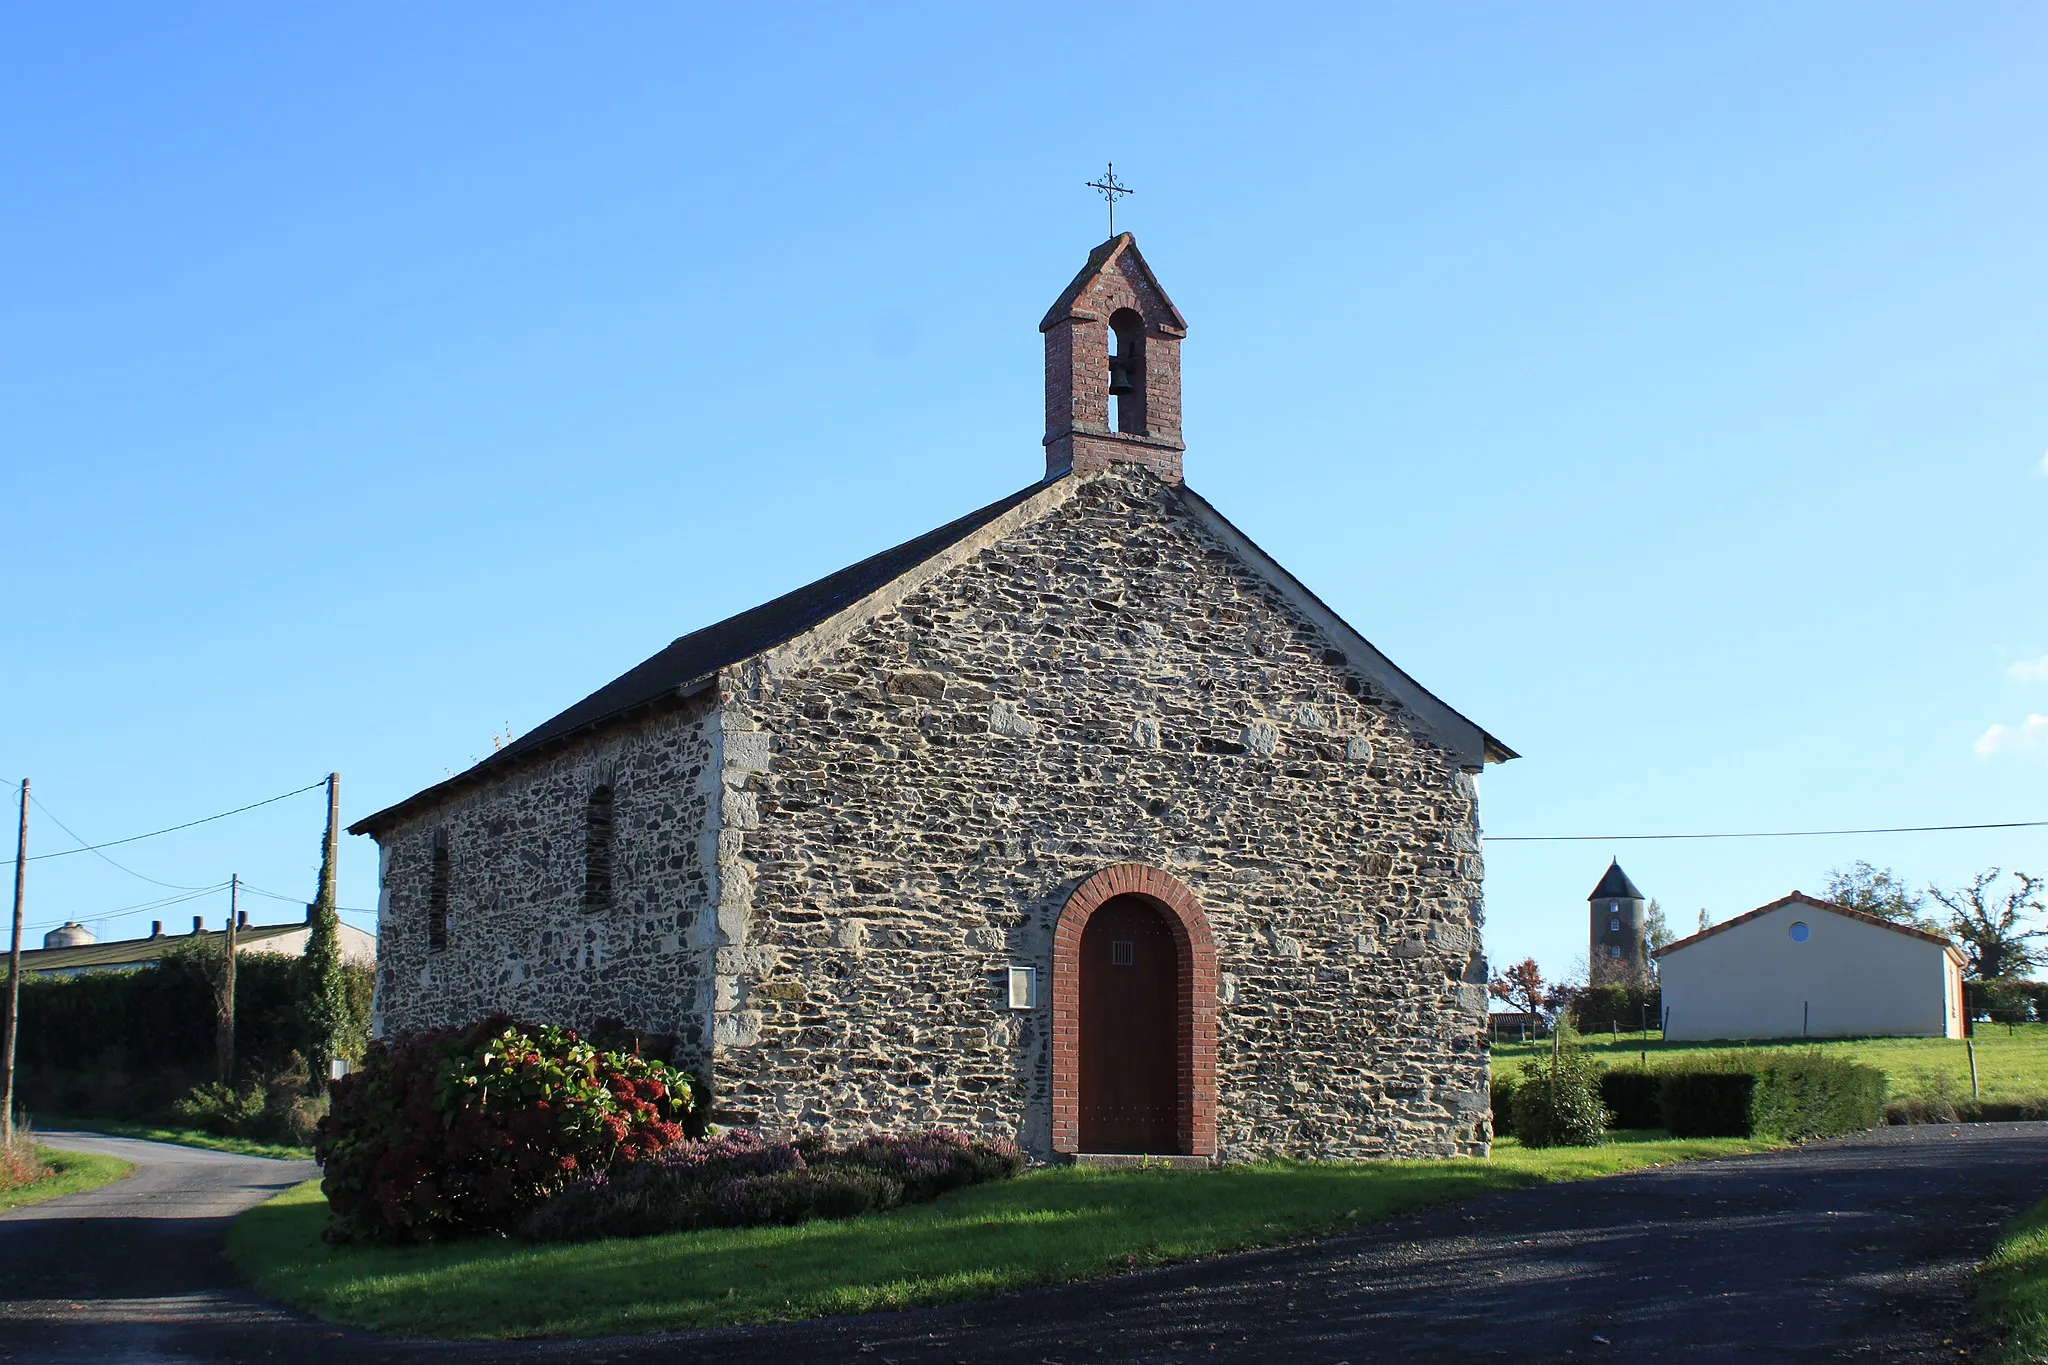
1801,898
511,761
1098,259
1474,747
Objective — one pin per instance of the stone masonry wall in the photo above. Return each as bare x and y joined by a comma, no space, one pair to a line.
1106,685
520,939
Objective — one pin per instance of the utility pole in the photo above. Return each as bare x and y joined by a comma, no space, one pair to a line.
330,852
224,1022
13,978
327,995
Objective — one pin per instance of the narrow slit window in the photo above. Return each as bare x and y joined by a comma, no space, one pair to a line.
597,851
437,894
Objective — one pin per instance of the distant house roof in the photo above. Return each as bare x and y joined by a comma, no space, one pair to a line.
1615,886
137,952
689,664
1800,898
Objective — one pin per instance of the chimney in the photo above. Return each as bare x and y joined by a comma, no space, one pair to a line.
309,911
156,928
241,919
198,923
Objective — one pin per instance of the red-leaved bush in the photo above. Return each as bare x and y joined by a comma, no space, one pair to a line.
460,1131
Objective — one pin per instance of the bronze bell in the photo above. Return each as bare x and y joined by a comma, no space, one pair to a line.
1121,379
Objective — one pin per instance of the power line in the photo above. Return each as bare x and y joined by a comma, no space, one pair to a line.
37,801
301,900
169,829
1753,834
165,903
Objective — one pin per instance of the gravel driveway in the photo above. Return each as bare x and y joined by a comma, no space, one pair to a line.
1856,1249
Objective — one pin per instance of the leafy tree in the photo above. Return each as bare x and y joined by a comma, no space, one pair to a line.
1878,891
2001,1000
1655,929
1992,923
1521,987
1706,922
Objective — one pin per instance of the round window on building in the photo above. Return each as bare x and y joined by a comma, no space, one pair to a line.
1799,931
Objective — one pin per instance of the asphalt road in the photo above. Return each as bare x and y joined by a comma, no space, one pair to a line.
126,1271
1859,1249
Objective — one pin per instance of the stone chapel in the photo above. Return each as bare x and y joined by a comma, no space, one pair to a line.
1078,821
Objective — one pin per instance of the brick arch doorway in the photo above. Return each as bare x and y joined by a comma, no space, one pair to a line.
1136,1036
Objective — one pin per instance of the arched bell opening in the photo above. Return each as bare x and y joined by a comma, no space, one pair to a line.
1127,372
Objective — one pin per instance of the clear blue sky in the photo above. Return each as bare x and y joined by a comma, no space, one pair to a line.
1661,385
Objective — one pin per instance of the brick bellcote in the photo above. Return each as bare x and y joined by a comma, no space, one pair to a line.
1112,368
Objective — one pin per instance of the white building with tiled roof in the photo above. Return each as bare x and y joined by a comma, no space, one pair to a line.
73,950
1801,967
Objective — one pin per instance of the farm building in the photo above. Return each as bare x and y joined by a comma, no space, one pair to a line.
73,949
1806,968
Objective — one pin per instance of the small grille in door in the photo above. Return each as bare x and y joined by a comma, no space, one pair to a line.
1123,952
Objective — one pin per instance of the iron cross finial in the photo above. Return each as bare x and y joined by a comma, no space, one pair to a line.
1109,188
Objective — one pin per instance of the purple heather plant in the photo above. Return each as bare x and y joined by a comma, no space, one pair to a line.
738,1179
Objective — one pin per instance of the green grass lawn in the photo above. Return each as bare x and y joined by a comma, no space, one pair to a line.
184,1137
2012,1292
2009,1066
73,1172
1047,1226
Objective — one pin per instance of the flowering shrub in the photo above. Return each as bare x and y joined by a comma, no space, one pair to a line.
738,1180
451,1132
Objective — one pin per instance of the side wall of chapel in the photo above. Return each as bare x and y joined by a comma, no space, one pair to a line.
1106,685
519,935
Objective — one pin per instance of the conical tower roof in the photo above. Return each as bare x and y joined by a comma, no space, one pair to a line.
1615,886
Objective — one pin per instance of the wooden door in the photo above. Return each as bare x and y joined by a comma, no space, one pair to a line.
1130,1017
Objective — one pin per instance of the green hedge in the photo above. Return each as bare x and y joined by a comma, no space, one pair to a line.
1502,1095
1936,1110
1632,1097
1739,1094
1708,1103
1818,1097
1791,1097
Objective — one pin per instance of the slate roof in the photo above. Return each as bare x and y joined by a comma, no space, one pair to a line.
1800,898
689,665
1615,886
695,657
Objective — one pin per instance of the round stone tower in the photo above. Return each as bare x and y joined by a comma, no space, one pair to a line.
1616,956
